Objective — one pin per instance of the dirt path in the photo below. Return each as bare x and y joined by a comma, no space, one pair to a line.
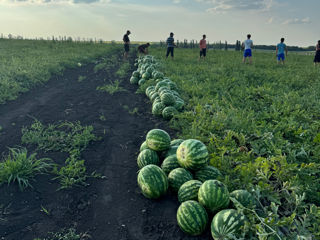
109,209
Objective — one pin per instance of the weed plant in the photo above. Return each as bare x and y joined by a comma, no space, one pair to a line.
112,88
20,167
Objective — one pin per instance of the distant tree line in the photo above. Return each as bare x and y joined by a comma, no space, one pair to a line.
227,46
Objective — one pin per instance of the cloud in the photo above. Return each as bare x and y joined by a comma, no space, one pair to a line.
270,20
227,5
47,2
297,21
176,1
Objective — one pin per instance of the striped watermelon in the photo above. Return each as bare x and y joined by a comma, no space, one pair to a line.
157,108
146,76
244,198
172,151
168,99
176,142
158,140
177,177
147,157
143,146
141,81
169,164
226,222
161,84
179,105
192,218
213,195
189,191
136,74
192,154
152,181
169,112
134,80
154,96
207,173
149,89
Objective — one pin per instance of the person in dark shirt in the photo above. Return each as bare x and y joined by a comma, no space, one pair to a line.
317,56
126,42
170,46
143,48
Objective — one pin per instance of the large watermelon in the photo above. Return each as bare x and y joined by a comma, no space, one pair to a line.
192,218
207,173
169,164
147,157
244,198
152,181
158,140
168,99
141,81
154,96
192,154
143,146
213,195
146,76
177,177
226,222
189,191
169,112
161,84
157,108
148,90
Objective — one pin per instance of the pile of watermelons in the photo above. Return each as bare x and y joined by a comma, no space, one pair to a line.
181,166
164,95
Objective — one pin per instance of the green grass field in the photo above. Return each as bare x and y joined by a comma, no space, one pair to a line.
26,63
261,125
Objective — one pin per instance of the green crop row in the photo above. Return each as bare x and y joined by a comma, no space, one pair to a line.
261,125
27,63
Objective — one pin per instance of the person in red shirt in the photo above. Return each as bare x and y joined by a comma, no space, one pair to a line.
203,47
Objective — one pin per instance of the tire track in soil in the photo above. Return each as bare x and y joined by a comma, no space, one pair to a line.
109,209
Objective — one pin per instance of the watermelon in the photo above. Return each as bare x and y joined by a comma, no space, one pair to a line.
150,70
172,151
134,80
154,96
146,76
226,222
158,75
213,195
169,164
157,108
143,146
141,81
136,74
168,99
179,105
177,177
207,173
161,84
176,142
155,101
168,112
158,140
192,154
147,157
192,218
189,191
152,181
244,198
148,90
173,86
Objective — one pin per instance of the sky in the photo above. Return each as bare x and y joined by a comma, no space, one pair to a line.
149,20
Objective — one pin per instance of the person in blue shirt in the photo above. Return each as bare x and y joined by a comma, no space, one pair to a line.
281,51
170,46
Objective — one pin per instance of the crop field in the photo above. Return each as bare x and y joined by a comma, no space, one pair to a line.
85,154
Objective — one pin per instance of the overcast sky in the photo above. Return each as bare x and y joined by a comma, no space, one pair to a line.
150,20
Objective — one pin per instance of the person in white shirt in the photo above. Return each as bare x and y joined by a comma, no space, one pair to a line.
247,45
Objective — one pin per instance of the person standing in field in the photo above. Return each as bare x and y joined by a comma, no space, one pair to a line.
203,47
170,46
247,45
143,48
280,51
126,42
317,56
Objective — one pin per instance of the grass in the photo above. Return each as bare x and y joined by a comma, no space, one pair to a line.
28,63
68,137
112,88
261,125
81,78
66,234
21,168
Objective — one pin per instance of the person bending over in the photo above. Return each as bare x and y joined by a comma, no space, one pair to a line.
143,49
317,56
